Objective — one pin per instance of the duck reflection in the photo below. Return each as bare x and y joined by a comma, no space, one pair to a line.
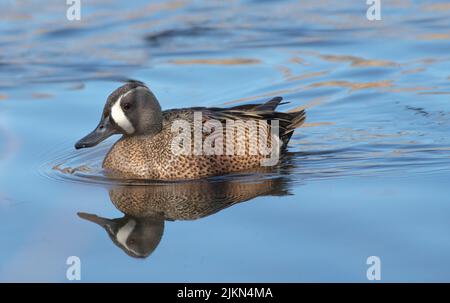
137,236
147,207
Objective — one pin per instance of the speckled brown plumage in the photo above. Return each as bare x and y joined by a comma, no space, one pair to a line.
151,157
190,200
146,207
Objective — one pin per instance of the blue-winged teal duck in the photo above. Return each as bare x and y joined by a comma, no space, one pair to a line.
146,149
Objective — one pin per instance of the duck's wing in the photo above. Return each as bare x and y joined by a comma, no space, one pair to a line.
288,122
270,105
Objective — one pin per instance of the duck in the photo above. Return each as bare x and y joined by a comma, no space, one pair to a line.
188,143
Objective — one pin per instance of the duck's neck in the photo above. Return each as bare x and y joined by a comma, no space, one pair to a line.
150,130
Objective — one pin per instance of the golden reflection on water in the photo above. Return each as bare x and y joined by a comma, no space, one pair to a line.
359,62
38,95
443,6
232,61
353,85
435,36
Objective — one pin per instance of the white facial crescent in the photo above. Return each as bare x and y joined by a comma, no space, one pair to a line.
124,232
119,116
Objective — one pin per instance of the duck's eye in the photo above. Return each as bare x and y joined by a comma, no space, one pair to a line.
126,106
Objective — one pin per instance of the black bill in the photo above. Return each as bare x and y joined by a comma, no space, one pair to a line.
104,130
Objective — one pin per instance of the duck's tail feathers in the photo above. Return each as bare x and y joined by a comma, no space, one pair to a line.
290,122
298,118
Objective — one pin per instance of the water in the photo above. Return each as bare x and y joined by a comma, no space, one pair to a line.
367,175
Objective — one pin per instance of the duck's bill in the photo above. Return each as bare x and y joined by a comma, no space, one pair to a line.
100,133
103,222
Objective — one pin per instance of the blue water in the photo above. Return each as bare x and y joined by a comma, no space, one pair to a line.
367,175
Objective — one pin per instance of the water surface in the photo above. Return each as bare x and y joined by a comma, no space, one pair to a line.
367,174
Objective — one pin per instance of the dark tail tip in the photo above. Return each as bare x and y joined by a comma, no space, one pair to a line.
298,118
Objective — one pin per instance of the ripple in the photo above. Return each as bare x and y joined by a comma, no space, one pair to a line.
365,107
311,163
85,166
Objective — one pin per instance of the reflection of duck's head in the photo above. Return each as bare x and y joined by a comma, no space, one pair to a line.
146,207
138,237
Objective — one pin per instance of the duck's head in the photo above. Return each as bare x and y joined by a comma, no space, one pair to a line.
138,237
130,110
